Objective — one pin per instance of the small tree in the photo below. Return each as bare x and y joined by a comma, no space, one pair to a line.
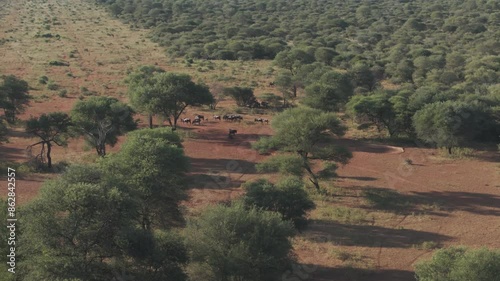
374,109
362,76
271,99
450,124
217,91
308,133
238,243
101,120
139,90
151,165
330,92
242,96
13,96
287,197
460,264
172,93
51,128
87,225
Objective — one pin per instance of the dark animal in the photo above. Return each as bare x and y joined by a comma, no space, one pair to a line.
196,121
217,117
186,120
232,117
265,121
259,120
271,84
200,117
232,133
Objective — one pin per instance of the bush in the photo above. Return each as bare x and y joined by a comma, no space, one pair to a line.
238,243
63,93
58,63
263,146
43,80
284,164
460,264
242,96
287,198
52,86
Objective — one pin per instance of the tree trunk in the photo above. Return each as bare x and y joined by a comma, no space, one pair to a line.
101,149
294,90
151,121
174,127
49,158
449,150
312,177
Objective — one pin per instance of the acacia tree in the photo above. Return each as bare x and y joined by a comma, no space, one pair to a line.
238,243
450,124
375,109
82,227
151,166
309,134
13,96
101,120
171,93
291,60
139,90
460,264
50,128
287,197
242,96
217,91
330,92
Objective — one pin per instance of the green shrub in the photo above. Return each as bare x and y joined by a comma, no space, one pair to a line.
52,86
460,264
344,215
287,197
226,240
282,163
63,93
43,80
58,63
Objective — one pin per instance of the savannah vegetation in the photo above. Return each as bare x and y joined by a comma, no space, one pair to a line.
424,71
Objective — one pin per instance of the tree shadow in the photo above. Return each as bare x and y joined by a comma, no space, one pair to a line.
312,272
358,178
489,156
477,203
12,153
213,181
368,235
363,146
432,202
211,166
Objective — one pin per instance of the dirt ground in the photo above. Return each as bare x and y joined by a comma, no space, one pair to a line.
433,202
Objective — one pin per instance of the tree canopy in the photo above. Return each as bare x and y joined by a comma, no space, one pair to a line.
287,197
309,133
101,120
238,243
51,129
111,219
13,96
139,84
169,94
460,264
